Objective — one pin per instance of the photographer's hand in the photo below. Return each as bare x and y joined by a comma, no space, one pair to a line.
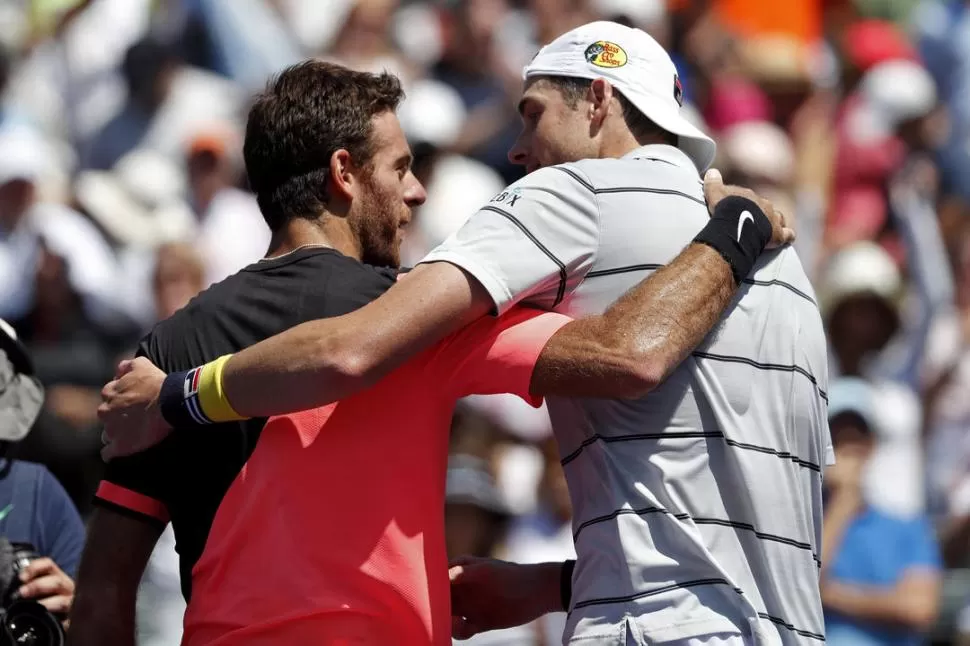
48,585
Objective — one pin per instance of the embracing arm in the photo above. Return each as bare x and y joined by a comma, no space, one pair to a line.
323,361
642,337
623,353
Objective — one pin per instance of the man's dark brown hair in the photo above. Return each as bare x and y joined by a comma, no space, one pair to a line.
308,112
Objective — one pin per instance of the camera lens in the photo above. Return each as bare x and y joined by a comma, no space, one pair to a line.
28,623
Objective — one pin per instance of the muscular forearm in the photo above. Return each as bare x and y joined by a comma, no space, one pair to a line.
642,337
323,361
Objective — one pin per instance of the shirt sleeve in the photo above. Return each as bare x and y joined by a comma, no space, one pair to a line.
497,355
135,484
534,241
921,548
63,530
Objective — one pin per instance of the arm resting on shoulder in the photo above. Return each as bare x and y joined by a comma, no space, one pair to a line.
632,347
323,361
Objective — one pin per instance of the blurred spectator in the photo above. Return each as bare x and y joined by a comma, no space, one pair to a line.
476,516
179,276
148,69
364,40
28,221
880,573
232,232
35,509
432,115
472,64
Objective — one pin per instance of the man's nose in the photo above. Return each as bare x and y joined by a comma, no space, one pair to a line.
415,194
518,152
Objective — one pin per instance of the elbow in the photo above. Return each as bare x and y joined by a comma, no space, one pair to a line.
640,374
353,367
921,614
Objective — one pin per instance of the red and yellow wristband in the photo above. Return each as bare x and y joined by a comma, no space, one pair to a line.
195,397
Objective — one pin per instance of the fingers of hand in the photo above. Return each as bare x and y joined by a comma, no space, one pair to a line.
47,586
59,604
713,187
124,367
109,391
38,567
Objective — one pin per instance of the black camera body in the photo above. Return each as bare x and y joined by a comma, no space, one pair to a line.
23,622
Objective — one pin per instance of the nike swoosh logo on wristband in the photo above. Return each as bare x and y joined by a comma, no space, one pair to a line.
745,215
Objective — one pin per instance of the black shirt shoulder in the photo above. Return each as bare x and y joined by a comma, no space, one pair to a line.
261,301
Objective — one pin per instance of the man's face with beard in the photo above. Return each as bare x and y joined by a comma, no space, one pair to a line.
390,190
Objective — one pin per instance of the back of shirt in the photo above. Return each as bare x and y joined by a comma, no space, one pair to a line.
185,478
697,509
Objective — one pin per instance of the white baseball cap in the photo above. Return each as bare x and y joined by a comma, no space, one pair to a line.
637,66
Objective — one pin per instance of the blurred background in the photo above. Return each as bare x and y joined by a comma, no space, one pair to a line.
122,194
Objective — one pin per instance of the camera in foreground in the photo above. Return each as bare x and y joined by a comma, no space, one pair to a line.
23,622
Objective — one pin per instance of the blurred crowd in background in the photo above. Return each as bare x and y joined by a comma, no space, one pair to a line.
122,194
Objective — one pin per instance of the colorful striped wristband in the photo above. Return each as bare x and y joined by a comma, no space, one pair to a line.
196,396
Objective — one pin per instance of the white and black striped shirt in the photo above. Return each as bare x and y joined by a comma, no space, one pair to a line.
698,508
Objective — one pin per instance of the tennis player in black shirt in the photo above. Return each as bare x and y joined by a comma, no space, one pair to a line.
336,193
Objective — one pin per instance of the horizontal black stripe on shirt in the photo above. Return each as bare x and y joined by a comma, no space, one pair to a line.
723,522
560,294
690,434
628,189
748,281
798,631
644,511
778,621
780,367
775,538
781,283
602,601
622,270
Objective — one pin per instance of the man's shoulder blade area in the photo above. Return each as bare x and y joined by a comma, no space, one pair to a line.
261,302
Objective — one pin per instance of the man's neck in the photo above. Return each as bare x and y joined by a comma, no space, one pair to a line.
326,231
626,143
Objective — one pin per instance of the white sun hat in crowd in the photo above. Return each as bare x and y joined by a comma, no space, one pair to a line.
637,66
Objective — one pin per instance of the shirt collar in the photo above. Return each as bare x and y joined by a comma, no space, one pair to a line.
663,152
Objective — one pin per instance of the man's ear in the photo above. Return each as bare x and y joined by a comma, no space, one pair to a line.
343,175
601,99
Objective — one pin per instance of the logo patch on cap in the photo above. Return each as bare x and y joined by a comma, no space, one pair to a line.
603,53
678,91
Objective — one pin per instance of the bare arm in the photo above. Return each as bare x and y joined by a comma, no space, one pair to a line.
643,336
912,603
322,361
117,551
